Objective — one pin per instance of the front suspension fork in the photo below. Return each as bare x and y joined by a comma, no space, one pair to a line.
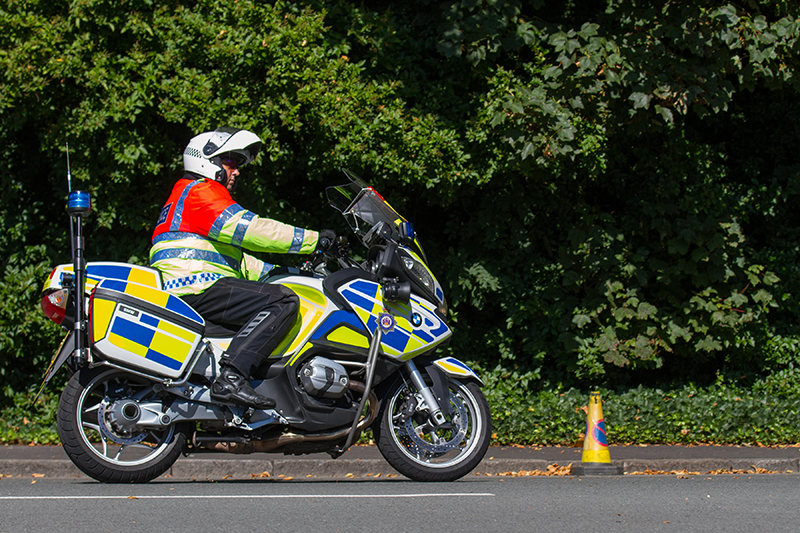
427,393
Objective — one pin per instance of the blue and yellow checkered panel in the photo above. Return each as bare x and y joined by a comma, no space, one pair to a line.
122,271
156,297
126,333
153,339
98,271
405,340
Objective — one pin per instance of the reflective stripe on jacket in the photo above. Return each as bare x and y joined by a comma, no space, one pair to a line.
201,232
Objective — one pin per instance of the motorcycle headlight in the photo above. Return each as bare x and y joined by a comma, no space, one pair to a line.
417,271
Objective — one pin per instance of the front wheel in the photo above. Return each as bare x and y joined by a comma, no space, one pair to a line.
95,429
422,452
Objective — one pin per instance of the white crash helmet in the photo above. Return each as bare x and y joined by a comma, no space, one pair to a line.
205,152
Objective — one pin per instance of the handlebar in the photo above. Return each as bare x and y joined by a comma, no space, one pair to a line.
327,251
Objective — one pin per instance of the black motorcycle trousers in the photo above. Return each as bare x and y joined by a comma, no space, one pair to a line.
262,314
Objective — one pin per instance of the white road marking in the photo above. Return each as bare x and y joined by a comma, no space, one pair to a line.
252,496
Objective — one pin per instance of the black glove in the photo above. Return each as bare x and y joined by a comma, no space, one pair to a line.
327,241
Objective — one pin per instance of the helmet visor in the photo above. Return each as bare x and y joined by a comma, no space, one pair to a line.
250,152
232,161
240,157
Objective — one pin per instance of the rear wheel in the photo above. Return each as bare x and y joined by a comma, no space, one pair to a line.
94,423
422,452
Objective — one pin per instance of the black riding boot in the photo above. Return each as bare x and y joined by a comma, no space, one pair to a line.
231,386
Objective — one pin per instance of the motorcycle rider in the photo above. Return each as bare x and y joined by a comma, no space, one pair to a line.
197,246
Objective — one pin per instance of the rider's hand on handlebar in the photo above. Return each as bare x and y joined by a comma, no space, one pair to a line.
327,241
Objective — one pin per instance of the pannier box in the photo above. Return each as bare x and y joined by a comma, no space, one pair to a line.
144,327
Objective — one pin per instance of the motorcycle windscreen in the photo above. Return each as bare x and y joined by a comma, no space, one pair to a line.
143,327
362,206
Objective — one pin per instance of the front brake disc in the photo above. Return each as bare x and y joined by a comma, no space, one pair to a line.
416,444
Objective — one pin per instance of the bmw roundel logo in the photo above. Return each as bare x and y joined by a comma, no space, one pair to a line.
416,320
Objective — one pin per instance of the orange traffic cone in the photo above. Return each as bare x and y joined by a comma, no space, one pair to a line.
595,460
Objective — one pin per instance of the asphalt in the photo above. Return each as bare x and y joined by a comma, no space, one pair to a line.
366,462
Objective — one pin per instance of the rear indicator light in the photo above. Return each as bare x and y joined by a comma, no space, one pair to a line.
54,305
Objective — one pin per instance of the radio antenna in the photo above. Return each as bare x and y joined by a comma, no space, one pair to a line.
69,176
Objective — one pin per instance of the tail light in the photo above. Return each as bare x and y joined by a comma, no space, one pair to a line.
54,305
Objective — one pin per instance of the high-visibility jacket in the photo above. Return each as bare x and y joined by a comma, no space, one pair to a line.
201,232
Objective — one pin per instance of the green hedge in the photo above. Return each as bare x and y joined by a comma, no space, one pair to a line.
724,413
26,422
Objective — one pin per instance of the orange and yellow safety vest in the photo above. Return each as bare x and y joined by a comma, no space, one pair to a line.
201,232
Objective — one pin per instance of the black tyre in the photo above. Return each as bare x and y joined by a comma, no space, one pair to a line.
101,447
419,452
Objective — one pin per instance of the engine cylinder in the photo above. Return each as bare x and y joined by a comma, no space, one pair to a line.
324,378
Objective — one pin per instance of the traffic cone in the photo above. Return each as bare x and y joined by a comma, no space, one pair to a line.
595,460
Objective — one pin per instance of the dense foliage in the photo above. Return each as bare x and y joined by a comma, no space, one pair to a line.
722,413
606,188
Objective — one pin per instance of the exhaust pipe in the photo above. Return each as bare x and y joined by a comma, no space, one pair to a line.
243,446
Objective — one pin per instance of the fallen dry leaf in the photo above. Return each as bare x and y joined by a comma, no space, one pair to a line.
649,472
685,473
262,474
552,470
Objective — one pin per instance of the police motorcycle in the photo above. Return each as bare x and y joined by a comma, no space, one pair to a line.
359,355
